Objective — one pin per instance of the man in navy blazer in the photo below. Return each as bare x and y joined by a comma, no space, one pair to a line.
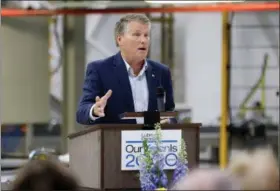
127,81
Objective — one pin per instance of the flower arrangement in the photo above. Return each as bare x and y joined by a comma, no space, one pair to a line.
151,164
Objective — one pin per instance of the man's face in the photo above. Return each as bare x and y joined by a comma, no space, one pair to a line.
135,41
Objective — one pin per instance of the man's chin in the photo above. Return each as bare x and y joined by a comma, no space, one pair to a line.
142,56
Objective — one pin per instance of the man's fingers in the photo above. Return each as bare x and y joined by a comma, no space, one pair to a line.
99,107
97,98
100,103
164,121
99,111
107,95
99,114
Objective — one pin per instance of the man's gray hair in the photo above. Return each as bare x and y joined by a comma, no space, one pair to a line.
121,25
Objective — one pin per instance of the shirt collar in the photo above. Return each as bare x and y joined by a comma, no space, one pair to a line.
129,69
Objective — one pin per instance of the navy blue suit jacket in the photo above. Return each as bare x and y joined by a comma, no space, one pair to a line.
111,73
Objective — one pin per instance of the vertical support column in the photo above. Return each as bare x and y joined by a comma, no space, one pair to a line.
0,101
170,46
73,72
223,152
163,37
28,138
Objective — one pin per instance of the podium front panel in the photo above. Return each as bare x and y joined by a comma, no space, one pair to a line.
85,159
114,178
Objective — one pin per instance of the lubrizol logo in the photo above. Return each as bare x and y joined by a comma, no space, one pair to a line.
132,147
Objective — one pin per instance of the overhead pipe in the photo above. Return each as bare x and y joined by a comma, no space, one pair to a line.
228,7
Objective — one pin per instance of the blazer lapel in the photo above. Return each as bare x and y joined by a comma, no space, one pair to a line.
122,75
151,80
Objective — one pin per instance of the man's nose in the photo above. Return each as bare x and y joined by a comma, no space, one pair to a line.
144,39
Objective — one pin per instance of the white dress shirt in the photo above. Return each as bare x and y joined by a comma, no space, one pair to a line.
139,88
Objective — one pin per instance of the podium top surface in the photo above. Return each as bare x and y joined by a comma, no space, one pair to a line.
121,127
133,115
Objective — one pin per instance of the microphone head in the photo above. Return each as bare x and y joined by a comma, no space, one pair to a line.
160,92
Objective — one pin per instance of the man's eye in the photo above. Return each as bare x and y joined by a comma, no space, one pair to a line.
136,34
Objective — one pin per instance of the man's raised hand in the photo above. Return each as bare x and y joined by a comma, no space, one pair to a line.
100,104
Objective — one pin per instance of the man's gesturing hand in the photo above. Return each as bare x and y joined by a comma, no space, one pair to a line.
100,104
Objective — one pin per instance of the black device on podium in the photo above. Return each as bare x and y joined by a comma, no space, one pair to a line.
153,117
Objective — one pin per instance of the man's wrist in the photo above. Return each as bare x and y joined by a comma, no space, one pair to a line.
92,116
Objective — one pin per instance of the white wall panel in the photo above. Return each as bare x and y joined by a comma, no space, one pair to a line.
25,71
254,57
248,77
252,37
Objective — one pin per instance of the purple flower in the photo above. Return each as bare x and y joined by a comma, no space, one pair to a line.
180,171
146,183
152,174
163,180
158,176
145,179
155,177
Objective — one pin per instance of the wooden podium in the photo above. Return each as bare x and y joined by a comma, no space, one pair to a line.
95,155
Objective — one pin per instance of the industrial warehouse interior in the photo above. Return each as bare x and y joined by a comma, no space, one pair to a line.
223,58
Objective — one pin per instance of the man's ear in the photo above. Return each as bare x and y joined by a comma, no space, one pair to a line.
119,40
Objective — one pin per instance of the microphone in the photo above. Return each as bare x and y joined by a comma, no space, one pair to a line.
160,99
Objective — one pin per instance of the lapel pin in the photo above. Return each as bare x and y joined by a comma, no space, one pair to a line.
153,75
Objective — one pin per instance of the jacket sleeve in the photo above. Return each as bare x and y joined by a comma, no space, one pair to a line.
169,100
91,89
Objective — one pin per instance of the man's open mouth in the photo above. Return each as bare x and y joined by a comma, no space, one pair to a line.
141,48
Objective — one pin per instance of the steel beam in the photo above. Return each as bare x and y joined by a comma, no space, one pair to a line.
73,73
